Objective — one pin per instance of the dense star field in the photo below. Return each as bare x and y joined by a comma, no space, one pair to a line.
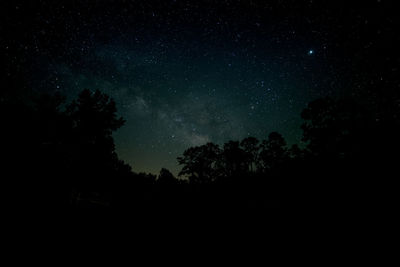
184,73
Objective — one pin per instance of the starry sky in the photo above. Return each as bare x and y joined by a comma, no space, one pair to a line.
184,73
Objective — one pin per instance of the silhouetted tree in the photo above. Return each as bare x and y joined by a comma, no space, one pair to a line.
200,163
94,163
94,115
251,147
335,128
166,178
235,159
273,151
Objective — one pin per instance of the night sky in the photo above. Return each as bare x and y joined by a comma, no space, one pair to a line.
184,73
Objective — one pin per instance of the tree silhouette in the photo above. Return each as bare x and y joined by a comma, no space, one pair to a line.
251,147
94,115
166,178
92,151
273,152
69,149
235,159
200,163
336,128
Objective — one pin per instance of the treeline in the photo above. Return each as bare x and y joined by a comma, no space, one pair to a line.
348,155
56,154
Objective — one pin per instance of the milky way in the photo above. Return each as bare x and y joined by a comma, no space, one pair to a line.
184,73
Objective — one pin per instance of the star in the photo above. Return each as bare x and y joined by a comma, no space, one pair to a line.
310,52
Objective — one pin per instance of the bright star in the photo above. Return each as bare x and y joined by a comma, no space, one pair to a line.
310,52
